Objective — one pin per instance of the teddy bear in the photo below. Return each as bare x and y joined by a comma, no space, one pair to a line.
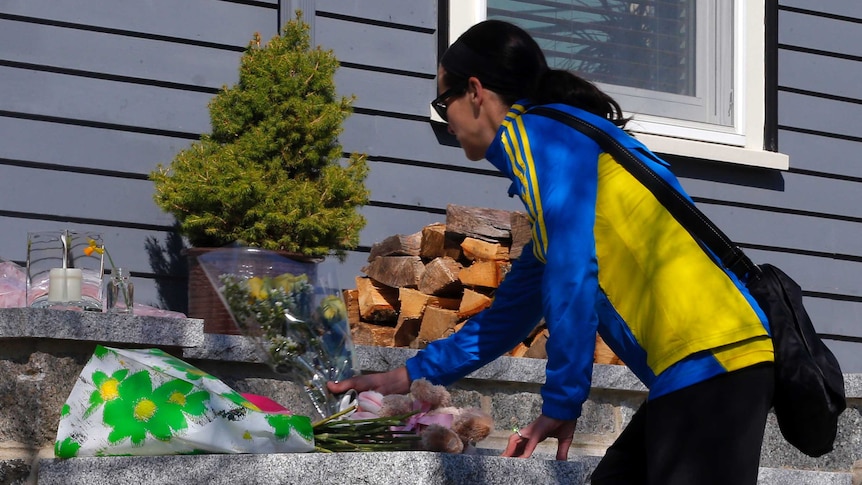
441,426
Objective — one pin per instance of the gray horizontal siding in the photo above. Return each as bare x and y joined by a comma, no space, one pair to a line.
97,101
790,232
826,154
97,93
109,199
815,230
116,54
394,47
416,140
819,114
846,8
786,191
391,93
414,14
200,21
806,71
809,272
820,32
391,182
85,148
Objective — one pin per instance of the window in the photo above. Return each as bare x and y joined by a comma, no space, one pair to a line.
690,72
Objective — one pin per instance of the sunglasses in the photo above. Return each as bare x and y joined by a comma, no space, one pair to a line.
440,103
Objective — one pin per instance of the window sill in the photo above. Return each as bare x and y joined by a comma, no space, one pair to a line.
715,152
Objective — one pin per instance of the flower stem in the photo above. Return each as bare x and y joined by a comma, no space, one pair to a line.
374,434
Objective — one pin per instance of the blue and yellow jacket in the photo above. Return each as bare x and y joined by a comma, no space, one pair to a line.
605,256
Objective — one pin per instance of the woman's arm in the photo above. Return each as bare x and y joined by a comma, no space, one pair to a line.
514,313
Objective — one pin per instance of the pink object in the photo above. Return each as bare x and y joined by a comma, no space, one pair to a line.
13,283
363,415
369,401
423,419
266,404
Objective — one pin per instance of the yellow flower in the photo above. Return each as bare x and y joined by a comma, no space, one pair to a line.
257,288
108,390
289,282
144,410
178,398
93,248
333,309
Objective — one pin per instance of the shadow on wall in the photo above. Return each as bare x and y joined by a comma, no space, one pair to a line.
726,173
171,269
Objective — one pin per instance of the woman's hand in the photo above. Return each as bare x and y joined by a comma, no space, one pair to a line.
524,441
396,381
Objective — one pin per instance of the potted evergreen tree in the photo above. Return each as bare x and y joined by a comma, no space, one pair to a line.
270,173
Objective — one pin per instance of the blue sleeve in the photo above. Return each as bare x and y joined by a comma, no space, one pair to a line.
514,313
562,173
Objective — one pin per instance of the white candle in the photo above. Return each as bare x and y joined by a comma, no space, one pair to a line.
57,285
73,284
64,284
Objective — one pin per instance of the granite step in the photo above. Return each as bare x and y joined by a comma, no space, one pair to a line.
44,352
381,468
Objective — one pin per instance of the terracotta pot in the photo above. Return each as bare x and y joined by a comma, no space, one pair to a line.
204,301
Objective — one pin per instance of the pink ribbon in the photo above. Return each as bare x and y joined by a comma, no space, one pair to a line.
422,419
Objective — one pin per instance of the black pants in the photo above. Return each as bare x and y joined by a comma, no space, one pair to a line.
708,433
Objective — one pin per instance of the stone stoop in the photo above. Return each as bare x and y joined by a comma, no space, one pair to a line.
783,476
43,352
766,476
508,389
381,468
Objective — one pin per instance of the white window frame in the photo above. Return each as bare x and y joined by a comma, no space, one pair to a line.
741,143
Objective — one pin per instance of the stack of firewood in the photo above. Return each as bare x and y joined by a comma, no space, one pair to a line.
421,287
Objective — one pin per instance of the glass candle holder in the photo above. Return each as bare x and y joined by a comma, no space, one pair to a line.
58,272
120,292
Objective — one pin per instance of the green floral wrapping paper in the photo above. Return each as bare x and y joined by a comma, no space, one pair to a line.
147,402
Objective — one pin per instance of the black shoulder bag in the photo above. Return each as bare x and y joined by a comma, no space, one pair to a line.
809,384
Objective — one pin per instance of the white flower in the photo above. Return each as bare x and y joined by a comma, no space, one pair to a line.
370,401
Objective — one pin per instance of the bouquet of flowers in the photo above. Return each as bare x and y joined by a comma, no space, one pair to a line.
293,311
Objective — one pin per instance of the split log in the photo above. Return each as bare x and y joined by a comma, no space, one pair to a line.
436,243
351,300
437,323
377,303
406,331
472,303
603,354
398,245
396,271
484,273
480,223
364,333
477,249
441,277
412,303
521,233
519,350
537,348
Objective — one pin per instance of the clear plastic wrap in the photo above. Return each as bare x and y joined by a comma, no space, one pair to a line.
293,311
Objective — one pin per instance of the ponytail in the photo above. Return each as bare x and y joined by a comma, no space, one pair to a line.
558,86
509,62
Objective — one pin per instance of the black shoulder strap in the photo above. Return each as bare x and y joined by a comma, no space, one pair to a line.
697,224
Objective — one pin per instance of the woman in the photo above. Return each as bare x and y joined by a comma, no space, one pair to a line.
605,256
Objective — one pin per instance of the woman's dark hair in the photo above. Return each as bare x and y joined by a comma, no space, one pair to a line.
508,61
